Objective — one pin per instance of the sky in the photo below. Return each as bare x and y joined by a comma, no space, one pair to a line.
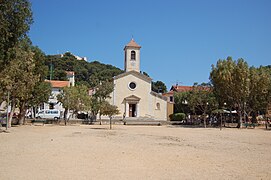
180,39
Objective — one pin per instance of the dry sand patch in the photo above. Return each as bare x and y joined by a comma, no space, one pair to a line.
134,152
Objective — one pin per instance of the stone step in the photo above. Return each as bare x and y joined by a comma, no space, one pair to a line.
145,123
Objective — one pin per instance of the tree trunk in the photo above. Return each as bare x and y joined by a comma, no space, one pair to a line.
221,121
34,112
11,113
22,114
204,120
254,118
240,120
110,118
239,111
65,116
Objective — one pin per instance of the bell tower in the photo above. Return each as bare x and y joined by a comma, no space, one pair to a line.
132,56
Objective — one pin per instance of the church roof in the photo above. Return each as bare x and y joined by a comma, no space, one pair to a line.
135,73
132,43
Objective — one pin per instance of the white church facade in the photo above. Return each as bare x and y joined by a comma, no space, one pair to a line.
132,90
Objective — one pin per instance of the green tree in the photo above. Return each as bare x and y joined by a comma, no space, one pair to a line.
259,91
74,98
39,95
15,57
25,75
159,87
230,80
19,75
15,21
41,91
101,93
180,100
202,99
109,110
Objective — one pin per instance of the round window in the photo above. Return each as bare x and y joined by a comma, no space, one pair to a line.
132,85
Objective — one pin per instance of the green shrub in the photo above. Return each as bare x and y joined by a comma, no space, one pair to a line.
178,117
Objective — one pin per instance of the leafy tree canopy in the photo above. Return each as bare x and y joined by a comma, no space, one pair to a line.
159,87
15,21
241,87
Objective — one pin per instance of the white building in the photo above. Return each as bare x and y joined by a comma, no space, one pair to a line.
57,87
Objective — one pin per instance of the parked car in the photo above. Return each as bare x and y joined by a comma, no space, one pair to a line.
3,119
48,114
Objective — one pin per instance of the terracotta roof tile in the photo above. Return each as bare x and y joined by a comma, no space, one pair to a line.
182,88
185,88
59,84
132,43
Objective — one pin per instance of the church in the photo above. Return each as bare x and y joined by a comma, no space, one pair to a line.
132,90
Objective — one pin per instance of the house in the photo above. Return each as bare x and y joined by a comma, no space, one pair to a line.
57,87
170,96
132,92
176,88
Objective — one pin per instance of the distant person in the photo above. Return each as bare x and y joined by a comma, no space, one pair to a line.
124,114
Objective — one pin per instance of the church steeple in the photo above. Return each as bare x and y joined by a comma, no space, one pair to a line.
132,56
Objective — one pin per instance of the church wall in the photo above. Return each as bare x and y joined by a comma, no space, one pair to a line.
160,108
121,91
148,105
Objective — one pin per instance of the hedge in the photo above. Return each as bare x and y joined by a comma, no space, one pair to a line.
177,117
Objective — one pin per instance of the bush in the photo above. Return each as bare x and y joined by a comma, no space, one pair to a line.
178,117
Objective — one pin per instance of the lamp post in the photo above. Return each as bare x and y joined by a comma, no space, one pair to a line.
8,89
225,104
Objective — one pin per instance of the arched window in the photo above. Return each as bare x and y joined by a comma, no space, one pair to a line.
133,55
158,106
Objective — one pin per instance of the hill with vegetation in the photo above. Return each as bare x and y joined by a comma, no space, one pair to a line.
87,73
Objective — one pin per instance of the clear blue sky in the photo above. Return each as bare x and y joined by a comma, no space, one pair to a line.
180,39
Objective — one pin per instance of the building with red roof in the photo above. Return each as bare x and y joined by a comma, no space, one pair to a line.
57,87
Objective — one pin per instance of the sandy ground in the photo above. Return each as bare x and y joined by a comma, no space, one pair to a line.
134,152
